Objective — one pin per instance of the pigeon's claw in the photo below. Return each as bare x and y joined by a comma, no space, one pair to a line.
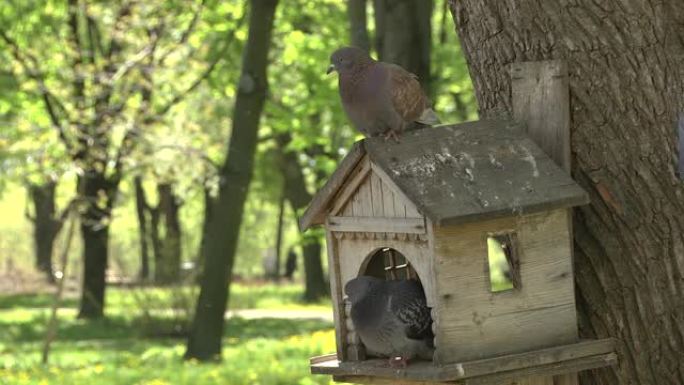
391,134
399,362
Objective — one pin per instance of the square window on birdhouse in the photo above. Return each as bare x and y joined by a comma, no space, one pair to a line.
503,262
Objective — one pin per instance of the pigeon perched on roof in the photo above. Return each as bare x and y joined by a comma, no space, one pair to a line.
379,98
391,318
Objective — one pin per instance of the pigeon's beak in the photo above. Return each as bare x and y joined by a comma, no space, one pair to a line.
331,68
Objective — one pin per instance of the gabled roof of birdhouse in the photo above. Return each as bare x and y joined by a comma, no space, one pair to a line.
460,173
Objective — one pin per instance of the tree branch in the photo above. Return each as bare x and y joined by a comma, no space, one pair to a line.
185,35
180,96
52,103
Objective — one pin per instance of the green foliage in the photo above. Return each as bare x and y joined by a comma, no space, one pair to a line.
183,145
127,348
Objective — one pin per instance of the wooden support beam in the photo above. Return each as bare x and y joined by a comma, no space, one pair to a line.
541,99
550,361
377,225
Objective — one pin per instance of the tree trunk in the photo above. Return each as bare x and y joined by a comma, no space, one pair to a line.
141,207
403,35
279,235
626,86
315,286
358,29
299,197
95,233
209,202
45,225
204,342
168,259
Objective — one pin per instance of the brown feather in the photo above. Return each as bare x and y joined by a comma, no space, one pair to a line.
407,95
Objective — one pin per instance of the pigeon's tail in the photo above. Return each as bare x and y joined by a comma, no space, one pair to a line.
428,117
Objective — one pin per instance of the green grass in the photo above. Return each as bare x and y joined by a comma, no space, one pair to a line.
134,347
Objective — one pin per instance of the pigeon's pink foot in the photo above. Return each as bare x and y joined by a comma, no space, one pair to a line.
398,362
391,134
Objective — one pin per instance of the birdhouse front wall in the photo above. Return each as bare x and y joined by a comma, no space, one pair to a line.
472,322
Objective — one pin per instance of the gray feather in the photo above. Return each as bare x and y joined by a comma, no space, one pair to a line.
391,317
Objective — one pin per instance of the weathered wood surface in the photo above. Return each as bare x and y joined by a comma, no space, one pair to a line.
541,99
336,293
476,323
545,362
355,254
315,213
348,189
572,366
377,225
474,171
453,174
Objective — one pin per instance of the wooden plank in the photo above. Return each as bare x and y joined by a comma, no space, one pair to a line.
378,380
462,173
506,333
545,362
572,366
315,213
363,199
377,225
377,196
324,358
473,320
541,99
528,359
401,201
357,176
355,254
566,379
387,199
336,292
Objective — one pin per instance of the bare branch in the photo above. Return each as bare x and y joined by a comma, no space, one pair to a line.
180,96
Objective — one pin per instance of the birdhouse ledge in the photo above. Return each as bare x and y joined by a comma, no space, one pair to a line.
553,361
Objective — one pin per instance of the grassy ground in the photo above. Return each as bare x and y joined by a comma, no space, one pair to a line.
134,346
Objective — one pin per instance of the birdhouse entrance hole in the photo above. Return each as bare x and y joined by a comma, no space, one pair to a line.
389,264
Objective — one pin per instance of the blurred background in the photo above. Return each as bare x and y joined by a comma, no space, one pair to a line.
142,141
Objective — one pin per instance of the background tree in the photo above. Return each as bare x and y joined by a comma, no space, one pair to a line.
626,87
94,92
204,342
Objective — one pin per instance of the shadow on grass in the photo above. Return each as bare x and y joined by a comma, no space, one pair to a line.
43,300
125,327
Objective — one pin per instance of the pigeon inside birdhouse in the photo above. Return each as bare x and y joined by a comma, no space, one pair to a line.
476,218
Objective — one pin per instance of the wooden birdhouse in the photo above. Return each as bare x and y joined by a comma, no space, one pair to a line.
479,214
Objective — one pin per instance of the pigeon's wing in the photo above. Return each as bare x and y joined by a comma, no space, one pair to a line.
407,302
406,95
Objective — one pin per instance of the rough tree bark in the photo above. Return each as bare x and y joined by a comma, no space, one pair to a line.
46,225
299,197
403,35
204,342
627,85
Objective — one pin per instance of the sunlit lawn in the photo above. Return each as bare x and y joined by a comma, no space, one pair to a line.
134,347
